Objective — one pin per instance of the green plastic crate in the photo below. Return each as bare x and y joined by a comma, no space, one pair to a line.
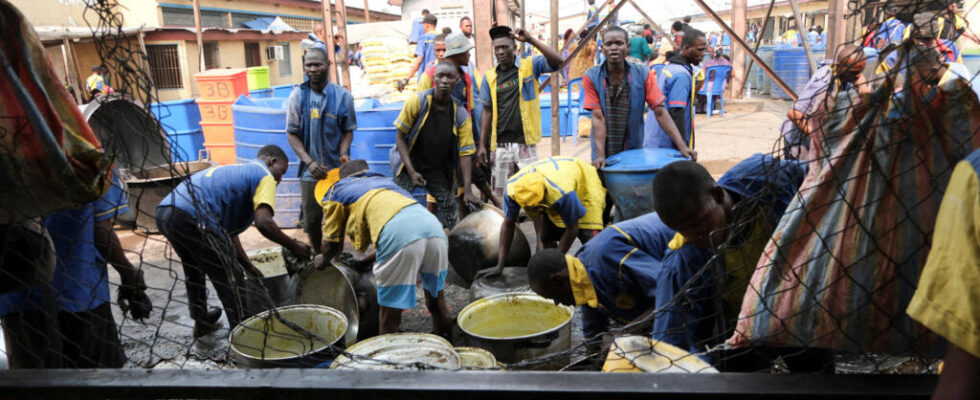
258,78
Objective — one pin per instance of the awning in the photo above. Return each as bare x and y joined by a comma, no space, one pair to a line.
268,24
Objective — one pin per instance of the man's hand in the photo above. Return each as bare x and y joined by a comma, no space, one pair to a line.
489,272
301,250
599,162
689,153
400,85
470,198
417,179
520,35
344,158
320,262
132,295
481,156
319,171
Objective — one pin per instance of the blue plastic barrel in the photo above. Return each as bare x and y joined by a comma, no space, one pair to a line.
972,62
563,112
791,65
260,122
260,93
181,120
282,90
375,136
629,179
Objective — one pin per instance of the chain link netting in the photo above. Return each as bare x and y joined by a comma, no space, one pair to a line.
816,285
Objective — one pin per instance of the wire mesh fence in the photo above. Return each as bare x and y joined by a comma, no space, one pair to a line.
820,251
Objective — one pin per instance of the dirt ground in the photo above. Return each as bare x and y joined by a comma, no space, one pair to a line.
165,338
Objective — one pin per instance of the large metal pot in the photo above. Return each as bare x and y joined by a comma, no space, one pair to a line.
517,326
275,288
266,341
332,287
146,187
474,244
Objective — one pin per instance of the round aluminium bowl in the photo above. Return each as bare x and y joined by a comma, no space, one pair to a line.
476,358
517,326
271,339
399,351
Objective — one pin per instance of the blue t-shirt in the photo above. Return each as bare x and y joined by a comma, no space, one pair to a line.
676,82
320,122
225,197
317,102
426,49
417,31
80,281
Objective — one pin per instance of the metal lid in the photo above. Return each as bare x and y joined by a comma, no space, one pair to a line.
476,358
640,160
399,350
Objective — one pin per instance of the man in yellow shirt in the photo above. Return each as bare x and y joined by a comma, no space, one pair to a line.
947,300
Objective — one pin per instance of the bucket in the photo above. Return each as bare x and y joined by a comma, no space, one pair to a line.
517,326
629,179
260,122
265,341
146,188
400,351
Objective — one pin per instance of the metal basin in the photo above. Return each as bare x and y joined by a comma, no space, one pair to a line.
332,288
146,187
474,244
266,341
275,288
517,326
400,351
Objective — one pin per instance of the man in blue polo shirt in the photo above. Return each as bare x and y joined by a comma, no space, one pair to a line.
320,123
612,277
424,50
202,218
68,322
677,82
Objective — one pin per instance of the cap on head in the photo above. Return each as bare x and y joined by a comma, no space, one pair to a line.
457,43
353,167
499,32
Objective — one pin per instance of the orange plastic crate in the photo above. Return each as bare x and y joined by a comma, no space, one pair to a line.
222,84
215,111
218,132
221,153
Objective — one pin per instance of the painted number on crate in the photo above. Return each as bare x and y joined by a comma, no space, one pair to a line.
215,113
216,90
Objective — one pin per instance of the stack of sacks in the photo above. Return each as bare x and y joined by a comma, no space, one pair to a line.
385,63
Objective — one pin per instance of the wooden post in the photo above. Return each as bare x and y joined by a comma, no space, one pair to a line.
71,76
836,29
524,25
144,56
367,13
342,31
758,41
328,39
803,36
503,13
739,25
741,42
556,76
200,35
482,21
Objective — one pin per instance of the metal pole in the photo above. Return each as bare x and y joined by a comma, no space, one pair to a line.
342,30
367,13
765,67
758,41
200,36
555,104
328,39
803,36
579,48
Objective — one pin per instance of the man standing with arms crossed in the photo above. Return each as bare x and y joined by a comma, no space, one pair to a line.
320,125
510,125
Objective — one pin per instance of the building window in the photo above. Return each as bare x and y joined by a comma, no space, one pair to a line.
211,59
300,24
185,17
164,66
286,64
252,56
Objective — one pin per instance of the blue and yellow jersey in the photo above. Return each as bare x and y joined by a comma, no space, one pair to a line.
568,189
946,300
95,82
225,197
361,205
622,263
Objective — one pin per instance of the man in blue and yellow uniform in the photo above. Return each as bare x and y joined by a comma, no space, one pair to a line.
679,82
409,241
945,301
202,218
613,276
564,197
728,223
434,142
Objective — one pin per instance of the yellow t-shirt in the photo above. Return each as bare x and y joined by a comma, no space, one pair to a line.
947,300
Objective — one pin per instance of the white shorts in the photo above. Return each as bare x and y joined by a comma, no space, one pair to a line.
504,159
397,275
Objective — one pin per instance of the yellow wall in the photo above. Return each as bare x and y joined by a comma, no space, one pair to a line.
53,12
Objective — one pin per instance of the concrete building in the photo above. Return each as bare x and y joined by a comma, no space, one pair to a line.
165,28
